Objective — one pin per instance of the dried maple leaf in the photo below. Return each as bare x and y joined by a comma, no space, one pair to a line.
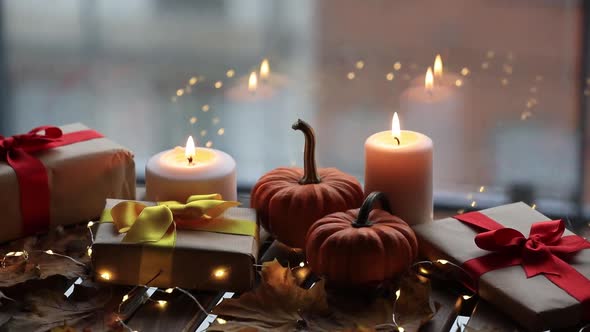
40,265
46,309
276,304
414,307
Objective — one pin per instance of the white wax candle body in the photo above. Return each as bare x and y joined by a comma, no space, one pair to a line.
403,172
169,176
438,114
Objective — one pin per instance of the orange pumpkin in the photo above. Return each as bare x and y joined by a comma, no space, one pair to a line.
361,246
289,199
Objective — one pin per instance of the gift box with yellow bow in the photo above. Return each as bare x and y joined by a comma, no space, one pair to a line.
205,243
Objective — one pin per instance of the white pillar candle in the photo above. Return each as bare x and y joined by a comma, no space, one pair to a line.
399,164
179,173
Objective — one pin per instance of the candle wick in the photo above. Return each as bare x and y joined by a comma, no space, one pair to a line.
397,140
190,160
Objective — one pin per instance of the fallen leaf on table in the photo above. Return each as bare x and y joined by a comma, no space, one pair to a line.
46,309
414,307
276,304
41,265
279,304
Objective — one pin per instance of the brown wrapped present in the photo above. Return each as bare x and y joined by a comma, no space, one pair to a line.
58,176
519,242
202,256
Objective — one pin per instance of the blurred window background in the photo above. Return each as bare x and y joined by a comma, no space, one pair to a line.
513,124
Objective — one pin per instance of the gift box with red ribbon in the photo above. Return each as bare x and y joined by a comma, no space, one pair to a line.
528,266
58,176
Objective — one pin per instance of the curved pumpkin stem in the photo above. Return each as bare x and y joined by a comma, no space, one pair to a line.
310,172
363,217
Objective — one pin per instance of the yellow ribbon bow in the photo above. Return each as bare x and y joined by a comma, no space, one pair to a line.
157,224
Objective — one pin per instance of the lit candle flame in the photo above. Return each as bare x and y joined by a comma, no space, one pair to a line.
438,66
252,82
264,70
396,131
189,150
429,79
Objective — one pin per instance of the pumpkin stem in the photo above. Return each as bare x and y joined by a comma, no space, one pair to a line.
363,217
310,172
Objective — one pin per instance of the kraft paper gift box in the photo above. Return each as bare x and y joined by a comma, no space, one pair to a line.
536,303
59,176
199,259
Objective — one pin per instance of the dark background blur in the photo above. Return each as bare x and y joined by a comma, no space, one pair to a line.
518,123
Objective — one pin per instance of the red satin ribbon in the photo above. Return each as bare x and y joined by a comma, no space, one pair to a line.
31,174
545,252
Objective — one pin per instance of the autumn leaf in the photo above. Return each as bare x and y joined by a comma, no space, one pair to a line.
39,264
414,307
46,309
276,304
279,304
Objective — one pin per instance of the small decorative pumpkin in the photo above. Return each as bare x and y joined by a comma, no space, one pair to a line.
362,246
289,199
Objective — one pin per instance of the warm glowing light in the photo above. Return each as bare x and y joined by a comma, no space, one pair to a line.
400,329
220,273
193,80
467,297
205,108
360,64
395,127
252,82
397,66
423,270
179,92
442,261
193,120
465,71
189,150
459,82
482,189
209,144
162,303
389,76
264,69
473,204
218,84
438,66
89,252
105,276
49,252
534,207
351,75
429,79
221,321
230,73
90,224
220,131
169,290
125,298
397,294
302,264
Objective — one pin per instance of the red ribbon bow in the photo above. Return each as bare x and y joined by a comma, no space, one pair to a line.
31,174
545,252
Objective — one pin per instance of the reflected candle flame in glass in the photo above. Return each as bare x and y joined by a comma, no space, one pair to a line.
438,66
264,69
429,80
252,82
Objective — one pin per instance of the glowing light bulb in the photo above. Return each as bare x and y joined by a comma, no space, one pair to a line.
162,303
105,275
220,273
189,150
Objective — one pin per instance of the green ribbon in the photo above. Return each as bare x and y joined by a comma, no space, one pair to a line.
157,225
